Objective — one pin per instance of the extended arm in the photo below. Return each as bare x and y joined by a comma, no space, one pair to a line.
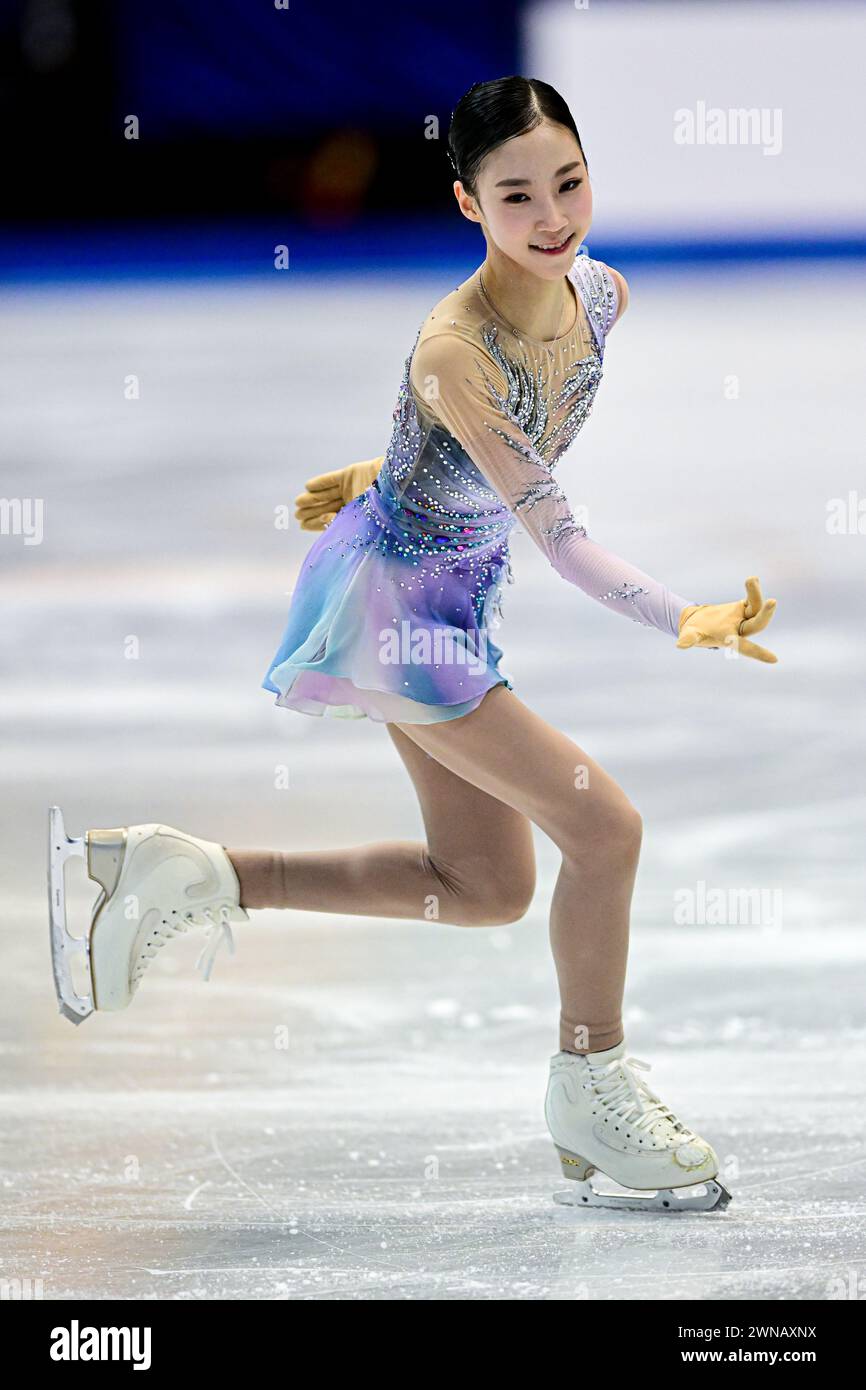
466,390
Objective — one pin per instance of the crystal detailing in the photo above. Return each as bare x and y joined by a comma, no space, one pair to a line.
628,591
599,296
432,506
566,525
527,399
530,403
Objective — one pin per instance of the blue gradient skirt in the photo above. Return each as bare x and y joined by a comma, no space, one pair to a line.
374,633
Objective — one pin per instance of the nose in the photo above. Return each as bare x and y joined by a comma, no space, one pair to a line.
551,237
552,224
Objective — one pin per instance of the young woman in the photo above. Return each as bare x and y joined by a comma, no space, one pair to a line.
391,620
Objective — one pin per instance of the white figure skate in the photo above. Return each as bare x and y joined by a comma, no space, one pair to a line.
604,1118
155,881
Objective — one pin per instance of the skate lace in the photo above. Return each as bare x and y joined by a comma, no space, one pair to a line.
219,932
629,1096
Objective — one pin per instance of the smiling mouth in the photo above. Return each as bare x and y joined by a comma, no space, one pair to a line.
554,250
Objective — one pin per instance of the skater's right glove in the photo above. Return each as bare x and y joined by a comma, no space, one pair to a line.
328,492
729,624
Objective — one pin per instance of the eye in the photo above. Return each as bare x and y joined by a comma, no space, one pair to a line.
568,186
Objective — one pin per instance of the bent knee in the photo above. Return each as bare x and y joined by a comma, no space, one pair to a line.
488,898
510,901
615,835
497,906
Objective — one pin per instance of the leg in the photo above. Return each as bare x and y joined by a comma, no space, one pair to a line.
512,754
476,869
479,848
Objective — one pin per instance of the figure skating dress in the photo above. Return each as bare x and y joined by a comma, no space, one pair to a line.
396,602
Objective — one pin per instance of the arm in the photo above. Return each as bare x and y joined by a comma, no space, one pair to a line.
467,392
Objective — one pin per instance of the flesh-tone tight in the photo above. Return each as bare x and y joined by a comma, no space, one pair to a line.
481,781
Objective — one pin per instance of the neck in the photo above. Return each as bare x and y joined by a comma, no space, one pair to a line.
542,309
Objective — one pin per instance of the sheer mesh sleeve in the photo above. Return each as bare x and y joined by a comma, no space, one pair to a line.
464,388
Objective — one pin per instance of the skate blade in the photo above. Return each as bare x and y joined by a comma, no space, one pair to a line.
74,1006
709,1195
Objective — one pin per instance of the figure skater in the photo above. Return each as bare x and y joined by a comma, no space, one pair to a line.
392,620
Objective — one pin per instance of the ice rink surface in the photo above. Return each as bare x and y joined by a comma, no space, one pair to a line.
353,1108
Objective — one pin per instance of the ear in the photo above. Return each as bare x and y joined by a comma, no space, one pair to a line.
465,202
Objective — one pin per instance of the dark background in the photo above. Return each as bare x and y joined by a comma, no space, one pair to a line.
243,109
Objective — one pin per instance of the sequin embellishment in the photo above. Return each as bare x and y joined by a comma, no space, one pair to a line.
431,500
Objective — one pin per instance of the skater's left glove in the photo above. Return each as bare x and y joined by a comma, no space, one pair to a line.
328,492
729,624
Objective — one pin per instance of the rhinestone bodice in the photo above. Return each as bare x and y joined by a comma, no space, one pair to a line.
431,496
482,418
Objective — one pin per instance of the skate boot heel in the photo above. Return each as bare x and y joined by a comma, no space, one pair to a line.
573,1166
105,856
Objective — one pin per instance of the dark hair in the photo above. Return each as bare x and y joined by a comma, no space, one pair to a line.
492,112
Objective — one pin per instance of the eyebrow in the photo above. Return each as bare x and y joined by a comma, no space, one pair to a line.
515,183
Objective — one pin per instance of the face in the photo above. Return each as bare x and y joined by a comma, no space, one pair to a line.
533,191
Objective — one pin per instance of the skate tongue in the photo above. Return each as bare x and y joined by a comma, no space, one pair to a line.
610,1054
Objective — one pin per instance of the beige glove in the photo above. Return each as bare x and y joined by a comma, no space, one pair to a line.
328,492
729,624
